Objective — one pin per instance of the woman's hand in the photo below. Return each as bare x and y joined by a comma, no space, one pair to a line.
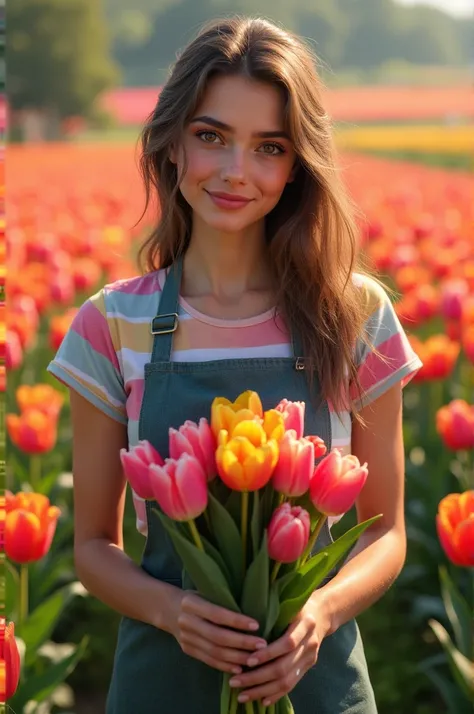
288,658
203,631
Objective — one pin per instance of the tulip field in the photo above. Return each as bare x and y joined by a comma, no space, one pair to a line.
74,223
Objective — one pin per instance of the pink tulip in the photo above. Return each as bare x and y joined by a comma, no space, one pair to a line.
135,465
336,482
180,487
293,416
453,294
295,465
288,533
195,440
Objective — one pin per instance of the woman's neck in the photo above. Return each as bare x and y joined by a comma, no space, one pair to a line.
225,266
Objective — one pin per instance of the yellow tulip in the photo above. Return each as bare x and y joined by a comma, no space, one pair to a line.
246,467
274,424
226,414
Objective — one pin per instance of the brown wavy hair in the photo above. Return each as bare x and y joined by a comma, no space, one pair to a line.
312,232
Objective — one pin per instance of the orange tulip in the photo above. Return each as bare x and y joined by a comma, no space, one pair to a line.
42,397
419,305
10,661
246,461
455,425
3,378
34,432
455,526
225,415
438,354
30,525
58,326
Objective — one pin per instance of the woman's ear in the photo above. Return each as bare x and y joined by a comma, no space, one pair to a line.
293,172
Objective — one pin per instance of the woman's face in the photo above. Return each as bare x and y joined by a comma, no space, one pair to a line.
239,157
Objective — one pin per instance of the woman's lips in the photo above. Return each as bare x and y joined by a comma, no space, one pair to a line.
228,201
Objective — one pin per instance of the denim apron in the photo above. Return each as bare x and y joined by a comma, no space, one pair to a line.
151,674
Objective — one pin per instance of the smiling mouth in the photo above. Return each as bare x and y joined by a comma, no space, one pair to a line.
226,200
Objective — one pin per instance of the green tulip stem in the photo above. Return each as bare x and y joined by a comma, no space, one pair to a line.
35,471
23,614
272,709
313,538
249,708
262,709
275,570
233,702
244,524
281,499
195,534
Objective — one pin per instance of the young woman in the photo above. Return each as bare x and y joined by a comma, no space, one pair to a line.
250,284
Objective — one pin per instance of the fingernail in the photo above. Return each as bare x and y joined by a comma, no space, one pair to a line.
252,661
266,702
242,698
236,670
234,682
260,645
253,625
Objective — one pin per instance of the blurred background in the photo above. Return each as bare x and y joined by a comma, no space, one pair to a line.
82,75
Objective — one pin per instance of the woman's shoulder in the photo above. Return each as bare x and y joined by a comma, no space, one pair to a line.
128,297
373,295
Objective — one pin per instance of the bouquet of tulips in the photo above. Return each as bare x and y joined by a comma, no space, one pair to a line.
243,503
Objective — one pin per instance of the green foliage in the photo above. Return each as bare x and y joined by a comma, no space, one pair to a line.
346,34
58,56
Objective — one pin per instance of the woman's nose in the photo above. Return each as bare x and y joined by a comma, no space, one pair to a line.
234,167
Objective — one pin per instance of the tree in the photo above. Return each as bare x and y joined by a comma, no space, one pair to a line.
58,56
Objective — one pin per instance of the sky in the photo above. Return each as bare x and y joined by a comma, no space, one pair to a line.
460,8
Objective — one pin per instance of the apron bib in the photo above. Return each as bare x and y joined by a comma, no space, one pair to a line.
151,674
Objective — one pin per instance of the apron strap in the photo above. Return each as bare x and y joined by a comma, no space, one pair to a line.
165,323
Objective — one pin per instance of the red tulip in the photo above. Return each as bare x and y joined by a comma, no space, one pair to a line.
455,425
10,657
468,342
136,463
336,483
195,440
288,533
455,526
295,465
180,487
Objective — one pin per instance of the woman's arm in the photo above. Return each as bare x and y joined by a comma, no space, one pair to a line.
379,555
202,629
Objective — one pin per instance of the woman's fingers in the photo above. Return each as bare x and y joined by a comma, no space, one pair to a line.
218,615
273,681
233,659
219,635
197,653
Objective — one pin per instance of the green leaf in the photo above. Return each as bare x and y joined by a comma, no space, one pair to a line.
229,542
285,705
203,571
11,587
290,607
272,611
335,552
255,525
233,505
459,615
460,666
40,623
225,693
39,687
452,696
217,557
256,586
47,483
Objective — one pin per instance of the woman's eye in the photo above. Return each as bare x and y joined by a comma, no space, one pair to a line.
272,149
209,137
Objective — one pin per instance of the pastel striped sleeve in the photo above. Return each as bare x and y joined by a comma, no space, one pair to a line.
393,359
87,360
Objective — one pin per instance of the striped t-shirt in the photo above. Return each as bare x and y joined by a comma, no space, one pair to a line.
109,342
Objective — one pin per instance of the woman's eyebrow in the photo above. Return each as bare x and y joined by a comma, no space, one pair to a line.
226,127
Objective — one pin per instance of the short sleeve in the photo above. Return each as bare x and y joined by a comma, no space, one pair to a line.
386,356
87,360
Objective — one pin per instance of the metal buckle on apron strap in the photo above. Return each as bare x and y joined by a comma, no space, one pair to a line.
164,324
299,364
